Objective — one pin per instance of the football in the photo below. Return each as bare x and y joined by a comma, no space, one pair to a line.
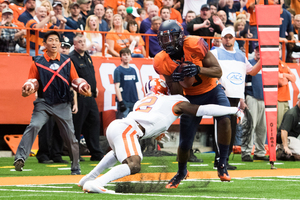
81,86
31,84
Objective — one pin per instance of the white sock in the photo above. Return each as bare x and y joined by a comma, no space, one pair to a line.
115,173
215,110
107,161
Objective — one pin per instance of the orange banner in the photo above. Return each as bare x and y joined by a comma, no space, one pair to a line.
16,109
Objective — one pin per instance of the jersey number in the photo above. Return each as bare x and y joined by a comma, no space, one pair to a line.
146,106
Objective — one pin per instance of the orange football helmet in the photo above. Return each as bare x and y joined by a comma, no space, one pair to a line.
157,86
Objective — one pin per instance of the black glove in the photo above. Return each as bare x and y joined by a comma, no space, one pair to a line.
122,106
189,69
177,76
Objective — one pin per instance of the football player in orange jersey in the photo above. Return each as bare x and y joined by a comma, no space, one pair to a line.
187,65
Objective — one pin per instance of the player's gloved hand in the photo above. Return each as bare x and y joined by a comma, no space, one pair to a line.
176,75
122,106
163,137
189,69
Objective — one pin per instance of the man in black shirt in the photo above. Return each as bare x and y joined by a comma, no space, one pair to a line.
289,130
87,120
205,25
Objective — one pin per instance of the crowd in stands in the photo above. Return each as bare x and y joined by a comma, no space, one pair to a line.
203,18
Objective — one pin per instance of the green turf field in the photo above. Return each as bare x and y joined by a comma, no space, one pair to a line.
256,188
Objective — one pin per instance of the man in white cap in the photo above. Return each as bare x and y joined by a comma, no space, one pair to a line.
234,66
9,37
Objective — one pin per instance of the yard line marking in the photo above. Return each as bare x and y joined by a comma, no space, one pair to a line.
49,191
157,166
152,195
24,170
66,168
42,186
56,165
198,165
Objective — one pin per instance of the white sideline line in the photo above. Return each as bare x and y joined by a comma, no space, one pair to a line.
42,186
152,195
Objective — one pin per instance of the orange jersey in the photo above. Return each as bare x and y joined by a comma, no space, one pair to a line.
34,73
195,49
114,4
120,41
283,91
252,11
295,4
176,15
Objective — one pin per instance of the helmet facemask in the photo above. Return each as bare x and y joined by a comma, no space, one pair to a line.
171,42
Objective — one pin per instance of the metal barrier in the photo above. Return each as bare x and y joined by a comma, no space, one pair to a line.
208,39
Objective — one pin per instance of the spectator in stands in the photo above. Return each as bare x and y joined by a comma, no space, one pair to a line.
108,17
137,46
205,25
222,15
116,42
295,5
251,9
75,15
292,12
10,37
190,15
121,10
146,23
66,4
69,24
41,20
286,24
143,15
132,14
213,9
29,12
94,4
99,12
47,4
147,4
217,42
93,40
16,8
284,77
153,41
174,14
132,3
165,13
241,28
85,7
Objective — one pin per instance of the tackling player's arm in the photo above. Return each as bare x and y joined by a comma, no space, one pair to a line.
209,109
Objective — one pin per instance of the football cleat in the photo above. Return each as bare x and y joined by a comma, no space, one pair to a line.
84,180
223,174
175,181
93,187
19,164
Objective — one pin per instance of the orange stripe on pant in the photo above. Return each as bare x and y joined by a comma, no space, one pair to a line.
132,141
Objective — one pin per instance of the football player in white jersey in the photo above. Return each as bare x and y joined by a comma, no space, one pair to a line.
150,117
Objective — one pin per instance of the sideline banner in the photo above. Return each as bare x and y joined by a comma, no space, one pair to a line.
268,19
16,109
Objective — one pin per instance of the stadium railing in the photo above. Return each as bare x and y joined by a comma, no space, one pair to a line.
208,39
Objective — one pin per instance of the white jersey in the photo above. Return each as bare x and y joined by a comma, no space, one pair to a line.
155,113
234,67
